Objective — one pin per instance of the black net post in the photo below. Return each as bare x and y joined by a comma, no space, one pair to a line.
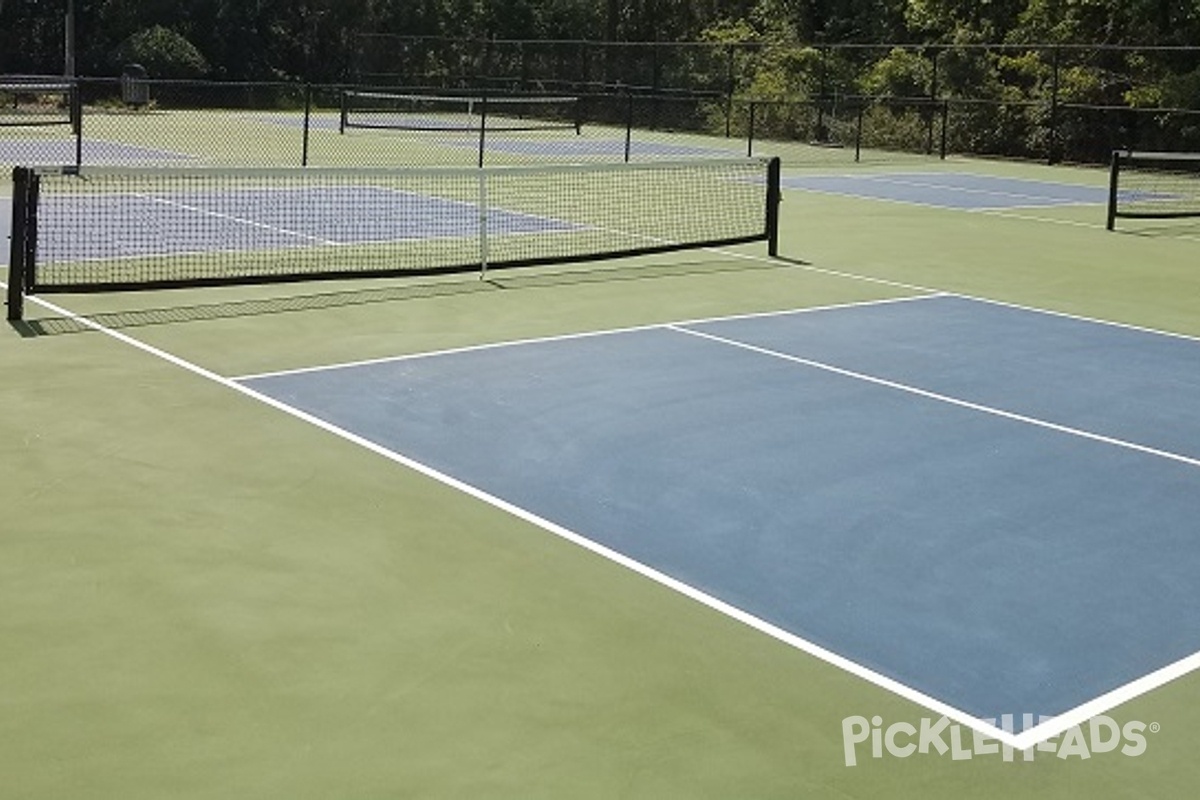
1113,177
774,197
858,130
730,87
22,179
483,112
77,122
307,124
75,101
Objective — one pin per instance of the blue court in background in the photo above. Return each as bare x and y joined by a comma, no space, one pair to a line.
567,144
994,506
262,219
963,191
94,151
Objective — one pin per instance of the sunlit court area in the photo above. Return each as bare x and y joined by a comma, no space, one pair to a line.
535,402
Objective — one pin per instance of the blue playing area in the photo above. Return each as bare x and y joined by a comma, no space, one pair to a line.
605,147
94,151
942,490
962,191
261,219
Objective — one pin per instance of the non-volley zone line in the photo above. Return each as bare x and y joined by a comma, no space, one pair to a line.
960,471
1144,681
940,398
582,335
874,677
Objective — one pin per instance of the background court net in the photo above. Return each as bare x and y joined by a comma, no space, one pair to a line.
1153,186
451,113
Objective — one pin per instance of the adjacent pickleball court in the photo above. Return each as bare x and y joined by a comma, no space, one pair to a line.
254,219
953,190
61,150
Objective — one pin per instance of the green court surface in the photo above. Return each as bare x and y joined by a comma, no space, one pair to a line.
203,597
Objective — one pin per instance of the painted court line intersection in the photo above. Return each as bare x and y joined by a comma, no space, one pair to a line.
483,383
1020,740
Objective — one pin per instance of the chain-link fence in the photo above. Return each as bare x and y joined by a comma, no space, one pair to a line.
153,122
1054,102
495,101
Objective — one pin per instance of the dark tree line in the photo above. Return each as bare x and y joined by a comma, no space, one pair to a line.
796,42
269,39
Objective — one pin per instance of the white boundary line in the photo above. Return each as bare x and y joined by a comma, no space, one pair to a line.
811,648
936,293
942,398
1044,201
1023,741
563,227
924,293
1004,214
1080,318
366,362
1027,738
1078,223
170,203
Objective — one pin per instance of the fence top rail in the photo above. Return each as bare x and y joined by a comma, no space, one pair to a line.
1010,46
35,83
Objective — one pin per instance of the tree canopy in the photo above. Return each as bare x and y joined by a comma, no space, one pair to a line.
316,39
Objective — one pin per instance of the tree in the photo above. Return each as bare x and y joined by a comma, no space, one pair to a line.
163,52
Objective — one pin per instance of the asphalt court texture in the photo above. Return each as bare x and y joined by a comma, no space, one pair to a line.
951,190
941,490
94,151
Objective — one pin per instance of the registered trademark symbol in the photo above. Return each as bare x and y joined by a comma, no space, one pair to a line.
1155,727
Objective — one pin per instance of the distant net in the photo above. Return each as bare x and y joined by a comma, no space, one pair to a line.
452,113
1153,186
99,229
31,100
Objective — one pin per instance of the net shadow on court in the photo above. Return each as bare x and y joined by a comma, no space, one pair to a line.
401,292
129,229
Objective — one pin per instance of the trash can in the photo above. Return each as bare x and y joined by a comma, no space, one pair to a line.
135,89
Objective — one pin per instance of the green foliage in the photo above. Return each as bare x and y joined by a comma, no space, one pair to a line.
163,52
786,51
1081,83
1181,90
901,73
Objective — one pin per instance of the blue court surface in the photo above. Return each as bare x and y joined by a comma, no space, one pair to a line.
614,148
94,151
953,190
996,507
261,219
